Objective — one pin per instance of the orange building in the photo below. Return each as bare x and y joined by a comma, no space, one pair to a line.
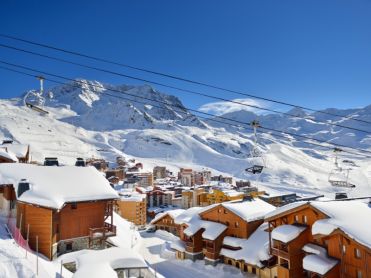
133,207
321,239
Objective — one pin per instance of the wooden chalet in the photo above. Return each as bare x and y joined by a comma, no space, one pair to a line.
67,208
203,230
166,221
321,239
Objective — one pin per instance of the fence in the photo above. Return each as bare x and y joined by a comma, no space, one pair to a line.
16,234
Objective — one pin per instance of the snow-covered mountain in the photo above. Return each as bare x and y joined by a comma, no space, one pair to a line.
86,121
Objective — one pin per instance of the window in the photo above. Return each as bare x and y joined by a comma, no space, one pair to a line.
296,218
359,273
74,206
357,253
344,249
219,211
236,224
225,211
305,219
227,223
69,246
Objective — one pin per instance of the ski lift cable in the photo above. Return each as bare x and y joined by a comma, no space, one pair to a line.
99,59
225,120
184,90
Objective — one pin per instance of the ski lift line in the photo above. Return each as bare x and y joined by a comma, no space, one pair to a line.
180,111
178,78
182,89
318,140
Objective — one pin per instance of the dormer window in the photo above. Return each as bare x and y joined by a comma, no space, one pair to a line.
23,186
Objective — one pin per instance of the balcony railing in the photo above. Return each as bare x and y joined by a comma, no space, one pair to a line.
103,232
280,253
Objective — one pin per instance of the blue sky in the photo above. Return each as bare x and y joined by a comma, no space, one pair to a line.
314,53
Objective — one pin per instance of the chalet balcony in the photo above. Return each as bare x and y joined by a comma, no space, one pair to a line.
108,230
280,253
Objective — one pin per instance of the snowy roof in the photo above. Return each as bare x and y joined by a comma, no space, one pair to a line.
54,186
285,208
188,215
101,263
286,233
134,196
8,154
318,264
352,217
314,249
178,245
172,213
211,229
250,210
253,250
19,150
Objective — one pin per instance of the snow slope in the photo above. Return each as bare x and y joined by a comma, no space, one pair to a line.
86,122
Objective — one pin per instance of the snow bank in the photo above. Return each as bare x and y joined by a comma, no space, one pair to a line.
318,264
101,263
253,250
55,186
286,233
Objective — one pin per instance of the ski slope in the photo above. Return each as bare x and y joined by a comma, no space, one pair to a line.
85,123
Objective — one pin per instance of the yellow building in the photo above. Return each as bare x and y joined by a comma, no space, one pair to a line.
219,196
132,206
194,198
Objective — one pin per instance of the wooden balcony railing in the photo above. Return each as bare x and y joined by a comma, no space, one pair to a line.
103,232
280,253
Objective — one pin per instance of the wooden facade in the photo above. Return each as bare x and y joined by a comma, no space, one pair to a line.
75,220
354,258
166,223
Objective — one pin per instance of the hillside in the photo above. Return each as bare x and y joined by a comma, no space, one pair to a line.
86,122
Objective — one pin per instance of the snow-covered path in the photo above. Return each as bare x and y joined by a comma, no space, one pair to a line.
154,251
12,260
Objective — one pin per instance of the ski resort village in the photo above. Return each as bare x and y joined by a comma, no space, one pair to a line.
185,139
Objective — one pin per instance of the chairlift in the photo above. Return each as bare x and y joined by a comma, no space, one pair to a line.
337,176
256,156
39,95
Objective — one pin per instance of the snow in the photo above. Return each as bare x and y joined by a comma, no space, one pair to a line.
284,209
126,235
286,233
54,186
157,250
318,264
211,229
315,249
101,263
19,150
250,210
352,217
253,250
8,155
172,213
